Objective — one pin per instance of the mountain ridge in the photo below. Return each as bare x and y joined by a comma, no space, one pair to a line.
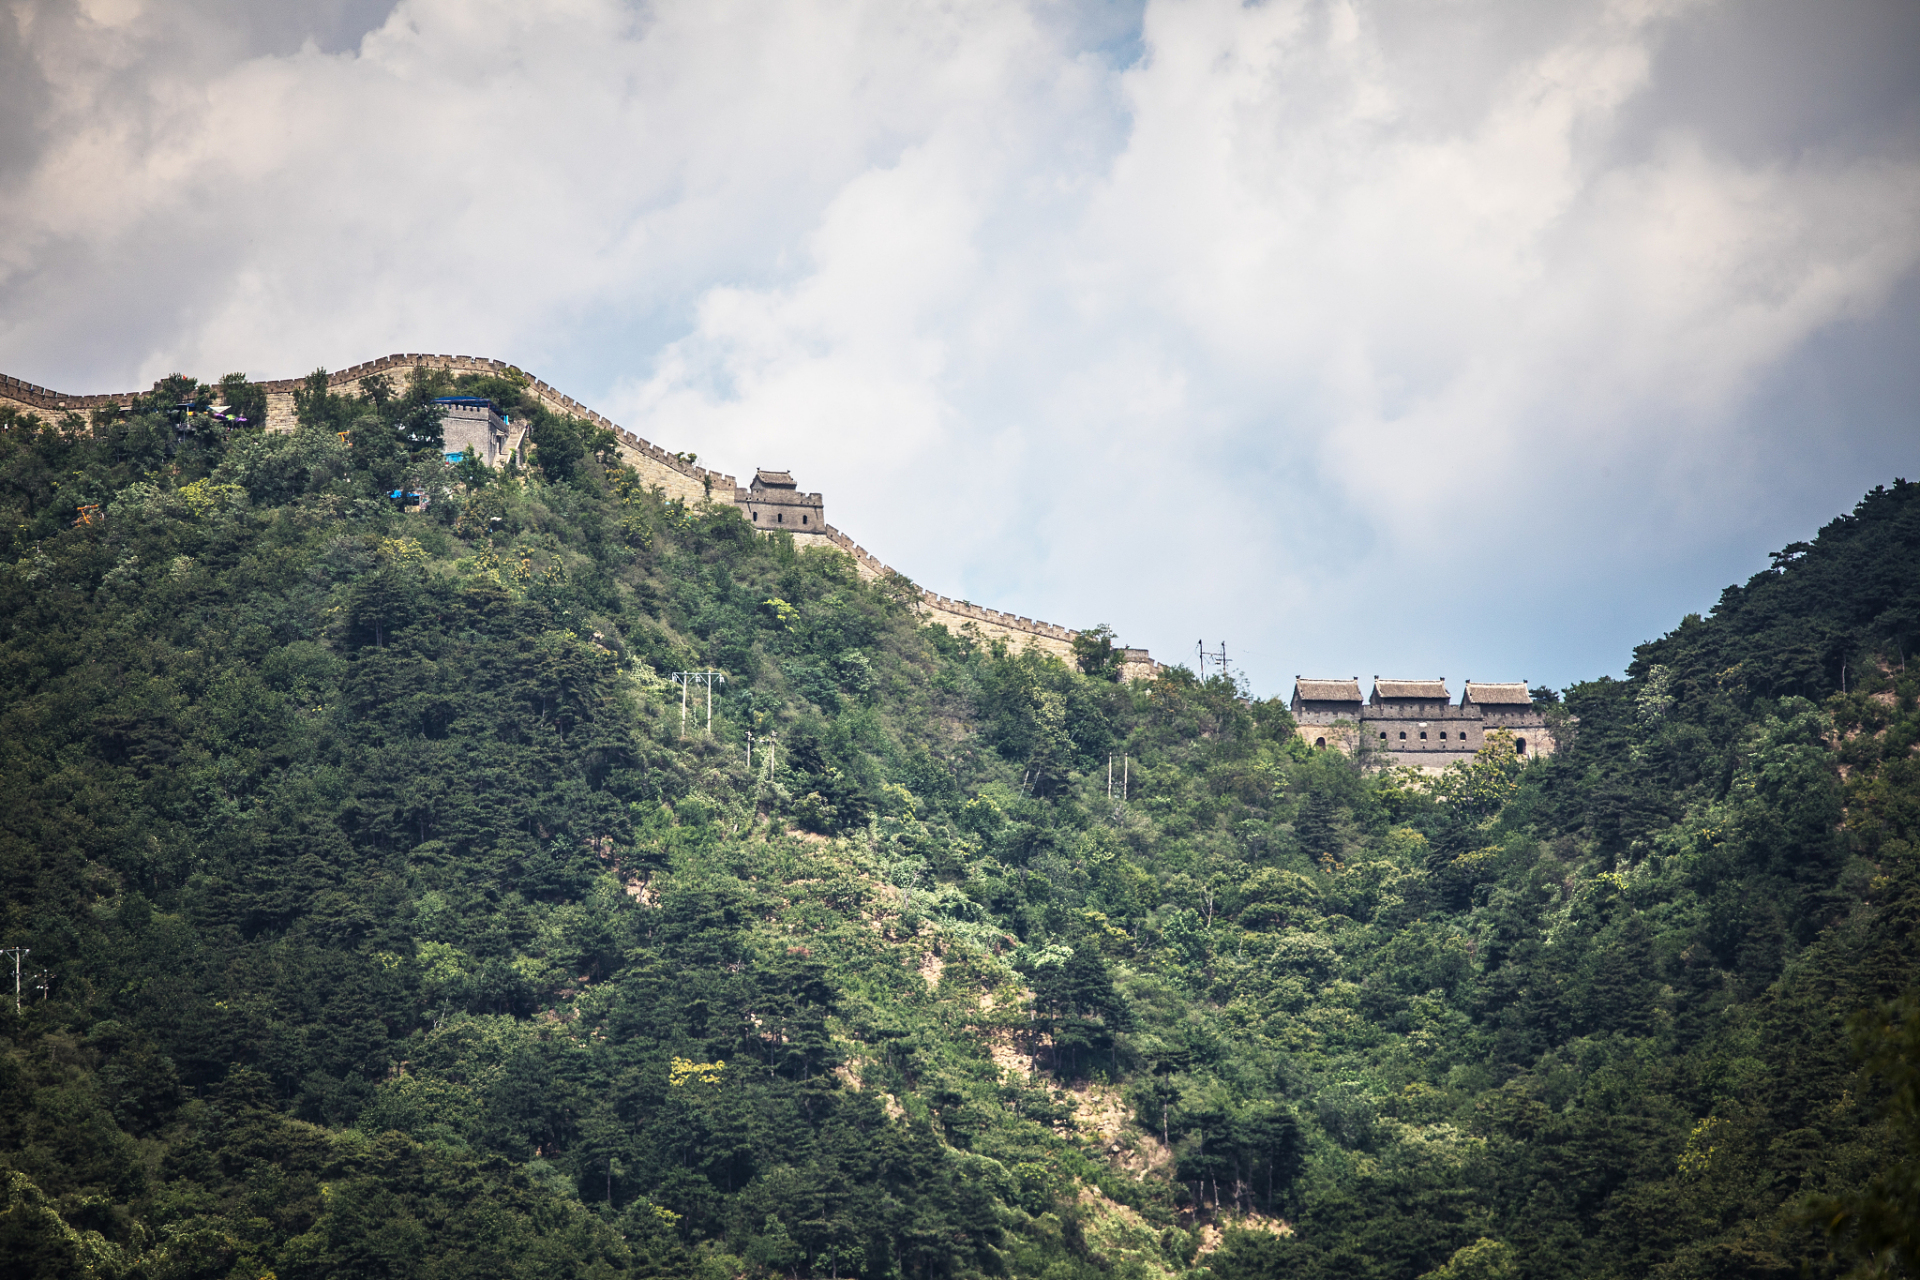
398,922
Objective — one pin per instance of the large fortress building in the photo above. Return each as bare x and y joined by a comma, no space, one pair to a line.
1415,722
773,502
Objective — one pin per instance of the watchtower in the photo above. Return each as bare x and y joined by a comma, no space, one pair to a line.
775,504
1507,705
473,427
1326,712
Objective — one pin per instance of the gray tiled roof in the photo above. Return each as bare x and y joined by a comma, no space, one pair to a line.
1326,690
1409,688
1508,693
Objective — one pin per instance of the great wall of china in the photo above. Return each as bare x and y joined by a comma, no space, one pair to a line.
675,477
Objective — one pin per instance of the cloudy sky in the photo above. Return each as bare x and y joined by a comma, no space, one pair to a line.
1414,337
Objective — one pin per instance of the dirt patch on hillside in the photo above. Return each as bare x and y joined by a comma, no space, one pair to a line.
1007,1056
1102,1114
1142,1155
1212,1233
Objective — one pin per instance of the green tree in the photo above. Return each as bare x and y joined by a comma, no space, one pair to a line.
1095,655
1879,1224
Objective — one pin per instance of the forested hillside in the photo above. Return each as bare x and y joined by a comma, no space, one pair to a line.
398,924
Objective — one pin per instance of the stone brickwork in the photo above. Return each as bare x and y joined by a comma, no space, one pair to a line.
773,503
1415,722
474,430
672,474
1137,664
50,406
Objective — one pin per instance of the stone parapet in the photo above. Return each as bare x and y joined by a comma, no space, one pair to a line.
1137,664
28,397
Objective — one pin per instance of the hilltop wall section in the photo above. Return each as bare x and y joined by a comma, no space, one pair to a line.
28,397
675,476
958,615
672,474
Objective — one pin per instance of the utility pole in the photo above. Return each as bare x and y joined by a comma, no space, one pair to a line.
704,677
17,953
1219,659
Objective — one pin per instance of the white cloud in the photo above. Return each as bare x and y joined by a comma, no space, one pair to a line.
1287,331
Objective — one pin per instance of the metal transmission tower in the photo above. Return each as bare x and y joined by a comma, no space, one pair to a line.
18,954
703,677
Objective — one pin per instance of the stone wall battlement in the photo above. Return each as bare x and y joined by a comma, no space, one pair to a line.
28,395
671,473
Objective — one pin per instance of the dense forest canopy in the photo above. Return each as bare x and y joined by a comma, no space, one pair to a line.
394,922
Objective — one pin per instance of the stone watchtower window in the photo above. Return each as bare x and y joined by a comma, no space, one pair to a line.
1519,746
1319,742
1403,735
1423,735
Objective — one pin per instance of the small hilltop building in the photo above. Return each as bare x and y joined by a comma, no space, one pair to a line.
774,504
1327,712
474,427
1415,722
